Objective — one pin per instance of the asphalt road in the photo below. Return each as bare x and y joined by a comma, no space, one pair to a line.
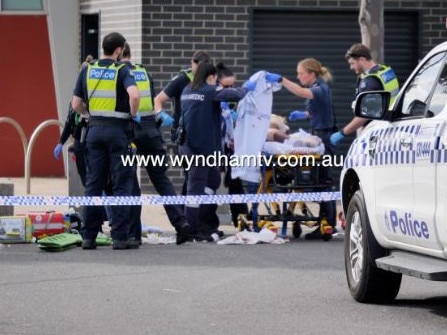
202,288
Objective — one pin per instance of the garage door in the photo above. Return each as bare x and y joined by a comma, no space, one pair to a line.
280,38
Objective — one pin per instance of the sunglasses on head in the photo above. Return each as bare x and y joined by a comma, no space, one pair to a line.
354,55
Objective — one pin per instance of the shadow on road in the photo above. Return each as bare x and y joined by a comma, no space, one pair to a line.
436,305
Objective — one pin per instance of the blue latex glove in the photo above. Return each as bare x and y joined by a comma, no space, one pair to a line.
337,137
233,115
250,85
57,151
273,77
297,115
224,105
137,118
166,119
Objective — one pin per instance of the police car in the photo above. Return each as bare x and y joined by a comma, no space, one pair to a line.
394,185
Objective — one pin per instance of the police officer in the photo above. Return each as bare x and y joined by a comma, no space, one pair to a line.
106,90
149,141
75,126
372,77
173,90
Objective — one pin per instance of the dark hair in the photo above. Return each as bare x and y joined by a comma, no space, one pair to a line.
201,56
204,69
126,51
358,50
223,71
111,42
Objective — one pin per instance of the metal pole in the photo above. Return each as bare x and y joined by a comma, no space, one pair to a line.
19,130
29,150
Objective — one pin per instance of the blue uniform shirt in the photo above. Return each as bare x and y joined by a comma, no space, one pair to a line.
174,90
320,107
202,119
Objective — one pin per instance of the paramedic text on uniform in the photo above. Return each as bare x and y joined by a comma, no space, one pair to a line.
106,90
371,77
173,90
149,142
201,122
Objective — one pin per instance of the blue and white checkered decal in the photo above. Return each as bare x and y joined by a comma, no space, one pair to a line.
387,150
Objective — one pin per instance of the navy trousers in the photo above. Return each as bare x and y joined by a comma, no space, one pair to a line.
105,145
149,141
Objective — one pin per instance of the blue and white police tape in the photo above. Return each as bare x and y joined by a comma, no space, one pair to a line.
36,200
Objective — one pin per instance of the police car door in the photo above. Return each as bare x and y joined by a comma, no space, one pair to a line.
420,127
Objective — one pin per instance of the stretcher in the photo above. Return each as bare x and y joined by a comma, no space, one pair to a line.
307,176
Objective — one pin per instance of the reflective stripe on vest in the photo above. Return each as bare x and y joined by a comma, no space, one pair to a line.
101,88
388,79
144,86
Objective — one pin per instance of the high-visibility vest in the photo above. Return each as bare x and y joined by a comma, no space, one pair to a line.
189,74
389,81
144,84
101,88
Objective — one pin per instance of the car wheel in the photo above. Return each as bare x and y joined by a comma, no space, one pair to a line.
366,282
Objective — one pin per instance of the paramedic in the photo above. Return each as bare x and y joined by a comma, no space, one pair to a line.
371,77
106,91
201,125
313,87
173,90
149,141
226,78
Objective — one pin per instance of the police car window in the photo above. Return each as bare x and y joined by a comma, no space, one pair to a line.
439,99
416,99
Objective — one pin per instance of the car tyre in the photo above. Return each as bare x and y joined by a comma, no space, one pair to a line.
367,283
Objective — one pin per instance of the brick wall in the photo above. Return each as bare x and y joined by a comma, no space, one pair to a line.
174,29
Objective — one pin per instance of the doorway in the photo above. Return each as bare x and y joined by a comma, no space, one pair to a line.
89,36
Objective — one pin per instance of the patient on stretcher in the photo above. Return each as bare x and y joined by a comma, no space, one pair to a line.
280,141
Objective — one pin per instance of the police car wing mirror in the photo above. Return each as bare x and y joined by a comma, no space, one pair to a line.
372,104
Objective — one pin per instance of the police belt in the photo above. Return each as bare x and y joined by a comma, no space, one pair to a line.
107,122
147,121
148,118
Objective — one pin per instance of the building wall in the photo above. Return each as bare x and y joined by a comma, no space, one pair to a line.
37,84
62,20
174,29
124,16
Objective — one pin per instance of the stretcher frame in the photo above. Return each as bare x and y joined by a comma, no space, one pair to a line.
286,179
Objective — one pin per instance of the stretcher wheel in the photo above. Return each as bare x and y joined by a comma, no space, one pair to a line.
325,230
296,229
